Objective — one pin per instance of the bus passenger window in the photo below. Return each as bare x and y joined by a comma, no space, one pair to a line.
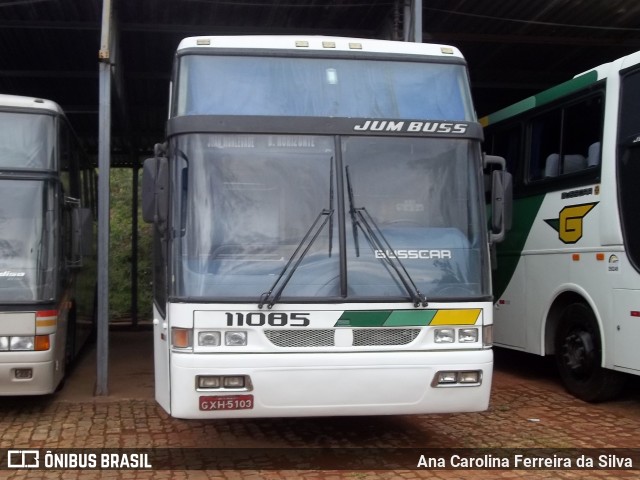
545,142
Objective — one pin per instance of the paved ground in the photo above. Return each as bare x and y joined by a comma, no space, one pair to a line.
528,410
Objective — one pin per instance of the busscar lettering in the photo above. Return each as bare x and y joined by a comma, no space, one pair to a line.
413,254
454,128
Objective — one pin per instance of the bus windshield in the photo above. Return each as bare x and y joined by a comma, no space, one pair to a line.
246,204
322,87
26,241
27,141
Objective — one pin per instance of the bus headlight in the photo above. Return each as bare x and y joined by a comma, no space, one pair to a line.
468,335
444,335
235,339
209,339
4,344
21,343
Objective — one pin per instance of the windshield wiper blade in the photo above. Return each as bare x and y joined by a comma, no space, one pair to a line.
307,242
352,212
360,217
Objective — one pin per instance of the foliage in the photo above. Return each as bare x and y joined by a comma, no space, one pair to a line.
120,250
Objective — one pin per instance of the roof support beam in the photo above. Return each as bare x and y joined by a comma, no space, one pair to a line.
412,23
104,151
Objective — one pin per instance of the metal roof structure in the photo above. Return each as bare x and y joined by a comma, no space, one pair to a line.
514,48
107,62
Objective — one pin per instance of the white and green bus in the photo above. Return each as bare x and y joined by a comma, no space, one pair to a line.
568,278
320,238
47,246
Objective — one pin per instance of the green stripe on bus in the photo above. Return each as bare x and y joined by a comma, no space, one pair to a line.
541,98
408,318
369,318
405,318
525,211
566,88
510,111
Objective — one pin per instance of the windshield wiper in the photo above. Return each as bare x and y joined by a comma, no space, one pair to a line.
360,217
306,243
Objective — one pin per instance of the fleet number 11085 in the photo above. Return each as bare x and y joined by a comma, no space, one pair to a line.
273,319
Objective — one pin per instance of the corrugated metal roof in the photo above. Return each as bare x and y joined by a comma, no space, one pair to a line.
514,48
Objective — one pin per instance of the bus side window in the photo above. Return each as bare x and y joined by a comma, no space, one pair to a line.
581,135
566,139
545,145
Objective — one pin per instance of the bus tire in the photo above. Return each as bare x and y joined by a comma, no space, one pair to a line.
578,350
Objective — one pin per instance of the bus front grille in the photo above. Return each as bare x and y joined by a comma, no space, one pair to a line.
361,337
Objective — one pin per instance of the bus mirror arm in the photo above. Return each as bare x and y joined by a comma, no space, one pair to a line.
501,199
155,189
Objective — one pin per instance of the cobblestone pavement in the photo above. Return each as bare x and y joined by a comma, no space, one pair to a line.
529,409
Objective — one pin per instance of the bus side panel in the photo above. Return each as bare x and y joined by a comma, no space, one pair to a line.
161,360
627,329
509,316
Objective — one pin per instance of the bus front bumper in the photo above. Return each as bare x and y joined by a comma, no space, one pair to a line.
328,384
26,377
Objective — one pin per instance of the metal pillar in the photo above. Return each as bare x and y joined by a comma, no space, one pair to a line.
104,152
134,241
412,23
417,21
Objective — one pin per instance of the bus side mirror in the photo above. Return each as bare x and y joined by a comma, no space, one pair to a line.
501,199
155,191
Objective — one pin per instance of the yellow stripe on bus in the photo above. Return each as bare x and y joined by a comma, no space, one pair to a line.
456,317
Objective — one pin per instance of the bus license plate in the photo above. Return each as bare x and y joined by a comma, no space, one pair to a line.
226,402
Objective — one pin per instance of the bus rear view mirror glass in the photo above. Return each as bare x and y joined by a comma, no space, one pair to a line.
155,190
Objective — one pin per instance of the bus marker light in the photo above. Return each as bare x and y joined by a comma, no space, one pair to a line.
23,373
635,313
42,343
233,382
487,335
600,257
575,257
206,381
235,339
444,335
181,337
469,377
446,378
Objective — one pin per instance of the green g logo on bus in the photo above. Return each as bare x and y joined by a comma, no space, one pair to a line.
569,223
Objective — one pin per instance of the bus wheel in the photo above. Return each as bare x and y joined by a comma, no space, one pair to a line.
579,357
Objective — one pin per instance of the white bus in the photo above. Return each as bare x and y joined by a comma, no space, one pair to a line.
568,281
320,237
47,246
